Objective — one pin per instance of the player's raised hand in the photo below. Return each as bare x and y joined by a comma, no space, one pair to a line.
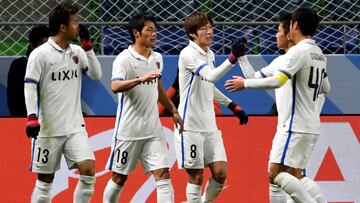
179,124
85,40
238,112
32,126
238,49
150,76
235,84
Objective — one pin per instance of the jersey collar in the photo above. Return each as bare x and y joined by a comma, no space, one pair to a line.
198,48
307,41
137,55
58,48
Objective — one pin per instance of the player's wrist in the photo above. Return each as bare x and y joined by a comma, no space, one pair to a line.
232,58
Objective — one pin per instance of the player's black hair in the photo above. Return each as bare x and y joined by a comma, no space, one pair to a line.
307,20
61,15
137,22
36,36
195,21
284,18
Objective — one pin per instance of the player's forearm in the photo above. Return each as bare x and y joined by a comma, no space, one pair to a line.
246,67
264,83
94,70
31,98
213,75
221,98
165,101
124,85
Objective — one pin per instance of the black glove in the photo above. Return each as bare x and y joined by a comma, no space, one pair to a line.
238,49
32,126
241,114
85,40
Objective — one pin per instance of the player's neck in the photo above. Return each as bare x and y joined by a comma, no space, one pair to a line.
300,38
59,40
143,51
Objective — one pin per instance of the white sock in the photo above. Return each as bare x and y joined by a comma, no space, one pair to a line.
164,191
277,195
313,189
212,190
293,187
112,192
41,192
193,193
84,189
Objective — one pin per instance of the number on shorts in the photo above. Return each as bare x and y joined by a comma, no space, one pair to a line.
193,151
124,156
45,154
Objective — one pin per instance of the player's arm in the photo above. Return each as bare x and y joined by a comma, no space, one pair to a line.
235,108
290,64
248,70
91,65
325,85
119,84
31,82
167,103
213,75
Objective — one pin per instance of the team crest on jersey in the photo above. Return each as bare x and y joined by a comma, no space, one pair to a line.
158,64
76,59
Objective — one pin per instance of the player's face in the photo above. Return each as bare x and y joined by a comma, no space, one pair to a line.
148,35
282,39
72,29
204,36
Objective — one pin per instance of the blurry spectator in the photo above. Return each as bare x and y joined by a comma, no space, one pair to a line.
15,81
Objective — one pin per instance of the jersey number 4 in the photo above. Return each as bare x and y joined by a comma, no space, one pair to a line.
319,74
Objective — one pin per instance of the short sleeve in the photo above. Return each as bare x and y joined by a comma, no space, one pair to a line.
120,67
192,63
34,67
292,61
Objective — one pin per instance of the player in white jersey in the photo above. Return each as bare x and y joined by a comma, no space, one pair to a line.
136,78
52,95
300,75
201,144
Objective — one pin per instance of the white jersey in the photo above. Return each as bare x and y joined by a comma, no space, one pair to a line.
196,93
58,74
137,115
283,95
305,65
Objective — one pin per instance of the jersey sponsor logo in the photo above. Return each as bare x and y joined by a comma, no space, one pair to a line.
154,81
64,75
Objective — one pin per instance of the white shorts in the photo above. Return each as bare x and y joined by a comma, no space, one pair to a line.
152,153
292,149
195,150
47,151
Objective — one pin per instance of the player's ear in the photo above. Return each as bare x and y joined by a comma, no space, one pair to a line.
62,28
193,35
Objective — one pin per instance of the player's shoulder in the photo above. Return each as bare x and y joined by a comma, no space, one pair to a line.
187,52
41,51
76,48
158,55
123,57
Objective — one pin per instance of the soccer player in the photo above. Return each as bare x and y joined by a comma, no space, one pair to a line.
300,75
136,78
200,145
52,96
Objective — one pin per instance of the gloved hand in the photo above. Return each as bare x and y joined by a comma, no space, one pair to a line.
238,49
85,40
32,126
241,114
